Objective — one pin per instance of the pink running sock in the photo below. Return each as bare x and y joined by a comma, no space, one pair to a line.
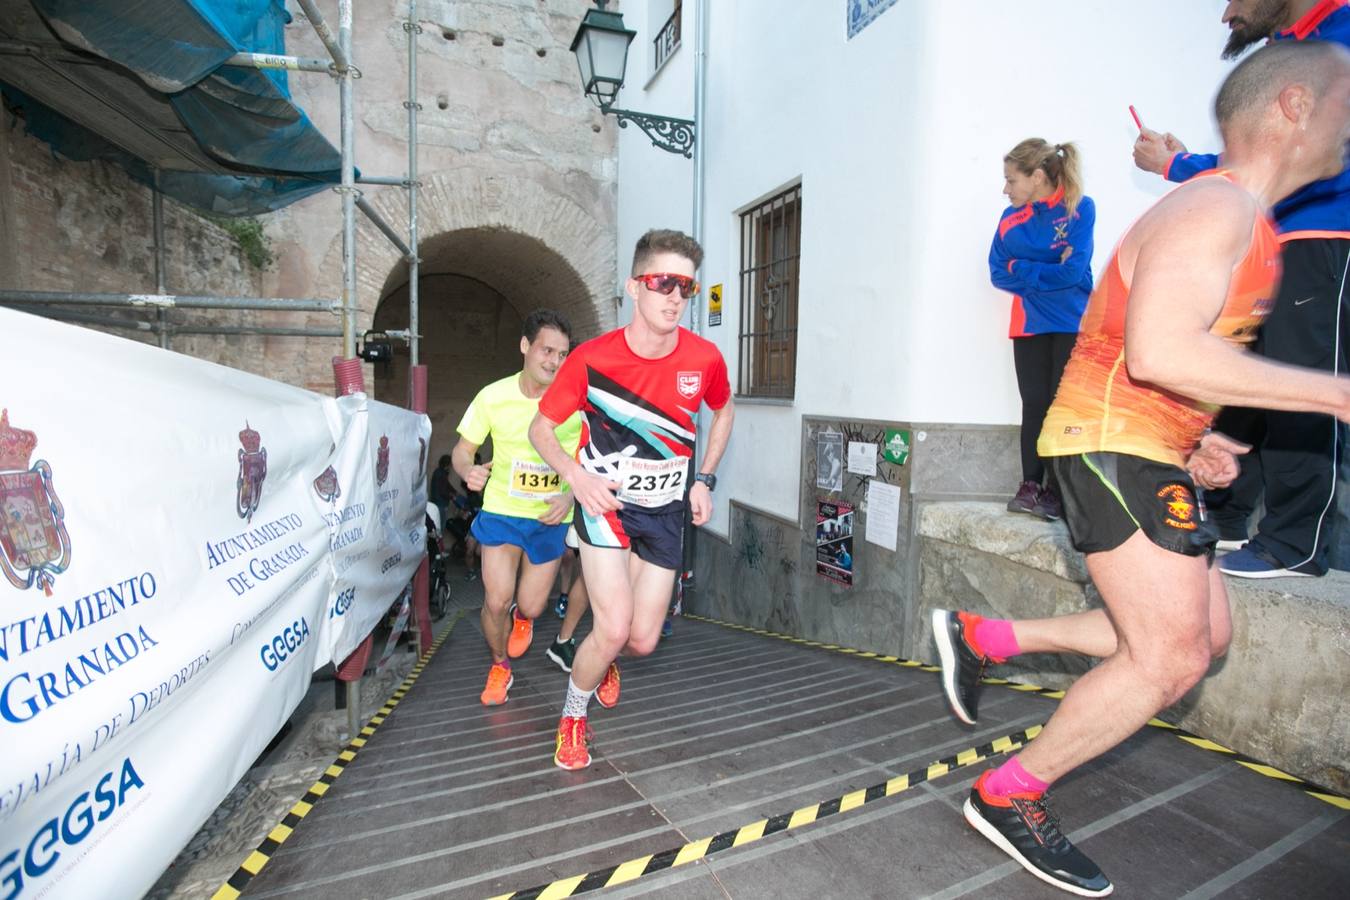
1011,778
995,638
505,663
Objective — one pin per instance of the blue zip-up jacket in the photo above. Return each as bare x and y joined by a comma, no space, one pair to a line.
1048,296
1320,209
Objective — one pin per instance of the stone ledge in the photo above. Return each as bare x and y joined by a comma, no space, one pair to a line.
1279,695
1045,546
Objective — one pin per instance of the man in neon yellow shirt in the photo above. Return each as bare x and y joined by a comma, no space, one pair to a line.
526,506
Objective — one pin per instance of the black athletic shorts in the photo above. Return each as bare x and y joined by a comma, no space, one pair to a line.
656,537
1109,496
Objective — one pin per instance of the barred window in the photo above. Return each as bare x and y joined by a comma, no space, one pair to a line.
667,40
770,253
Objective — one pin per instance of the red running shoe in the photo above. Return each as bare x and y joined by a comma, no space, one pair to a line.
607,694
569,752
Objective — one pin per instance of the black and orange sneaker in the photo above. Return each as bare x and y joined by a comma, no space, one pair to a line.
1022,826
962,664
569,751
607,694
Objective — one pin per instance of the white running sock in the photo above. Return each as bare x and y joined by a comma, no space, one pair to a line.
577,700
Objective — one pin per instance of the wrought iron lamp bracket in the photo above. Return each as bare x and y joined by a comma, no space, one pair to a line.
671,135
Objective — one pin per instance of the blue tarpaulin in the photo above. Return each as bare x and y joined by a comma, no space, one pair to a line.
241,118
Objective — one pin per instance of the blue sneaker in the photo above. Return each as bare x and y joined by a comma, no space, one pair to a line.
560,606
667,628
1254,562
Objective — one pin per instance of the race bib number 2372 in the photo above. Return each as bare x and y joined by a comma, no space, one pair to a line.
651,483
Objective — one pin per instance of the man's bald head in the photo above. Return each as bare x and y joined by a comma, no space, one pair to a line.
1258,81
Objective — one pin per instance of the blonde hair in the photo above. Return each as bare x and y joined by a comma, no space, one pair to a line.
1061,163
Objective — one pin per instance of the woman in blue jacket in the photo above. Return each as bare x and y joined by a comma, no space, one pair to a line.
1042,254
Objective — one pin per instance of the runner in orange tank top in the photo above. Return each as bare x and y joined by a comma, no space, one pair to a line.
1159,351
1099,407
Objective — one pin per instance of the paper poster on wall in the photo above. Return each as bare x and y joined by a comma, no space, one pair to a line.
715,305
862,458
830,461
883,513
896,448
834,541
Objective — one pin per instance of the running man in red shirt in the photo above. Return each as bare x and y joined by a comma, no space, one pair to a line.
638,389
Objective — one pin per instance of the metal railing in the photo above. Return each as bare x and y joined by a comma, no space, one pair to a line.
667,40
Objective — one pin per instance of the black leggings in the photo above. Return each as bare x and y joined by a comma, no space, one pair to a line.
1039,360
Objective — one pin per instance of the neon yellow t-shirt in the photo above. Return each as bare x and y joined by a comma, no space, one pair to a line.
521,484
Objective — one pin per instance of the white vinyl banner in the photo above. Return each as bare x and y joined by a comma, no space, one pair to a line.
181,546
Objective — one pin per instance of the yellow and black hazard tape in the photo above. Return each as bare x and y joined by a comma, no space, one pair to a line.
748,834
1312,790
254,862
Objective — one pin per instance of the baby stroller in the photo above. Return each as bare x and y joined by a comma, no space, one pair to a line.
438,587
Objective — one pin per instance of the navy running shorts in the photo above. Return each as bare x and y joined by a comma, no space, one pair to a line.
656,538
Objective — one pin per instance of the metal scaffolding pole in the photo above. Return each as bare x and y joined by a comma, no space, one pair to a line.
180,301
414,312
279,61
385,228
262,330
348,188
157,208
80,318
391,180
340,56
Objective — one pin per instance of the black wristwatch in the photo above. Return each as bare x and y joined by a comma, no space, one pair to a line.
708,479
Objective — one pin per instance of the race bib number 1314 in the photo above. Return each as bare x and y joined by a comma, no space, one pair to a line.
533,481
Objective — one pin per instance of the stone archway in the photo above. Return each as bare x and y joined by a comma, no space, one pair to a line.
509,220
493,248
476,288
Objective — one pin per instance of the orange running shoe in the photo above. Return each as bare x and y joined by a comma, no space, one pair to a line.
570,751
522,632
607,694
499,682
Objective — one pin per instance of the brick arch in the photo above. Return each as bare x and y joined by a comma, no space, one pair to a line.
536,247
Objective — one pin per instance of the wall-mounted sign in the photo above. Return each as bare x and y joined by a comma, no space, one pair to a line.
715,305
896,448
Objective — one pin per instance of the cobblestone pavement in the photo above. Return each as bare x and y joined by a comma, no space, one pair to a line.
281,777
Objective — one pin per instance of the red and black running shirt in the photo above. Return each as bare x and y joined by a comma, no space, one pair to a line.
637,413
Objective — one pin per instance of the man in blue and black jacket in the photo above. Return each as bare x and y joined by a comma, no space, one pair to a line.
1296,454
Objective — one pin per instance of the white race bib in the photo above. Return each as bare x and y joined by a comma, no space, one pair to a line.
533,481
652,482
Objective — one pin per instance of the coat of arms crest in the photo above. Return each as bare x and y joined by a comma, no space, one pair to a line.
252,473
326,485
34,545
382,461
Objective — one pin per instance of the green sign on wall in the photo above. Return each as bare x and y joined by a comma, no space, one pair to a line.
896,448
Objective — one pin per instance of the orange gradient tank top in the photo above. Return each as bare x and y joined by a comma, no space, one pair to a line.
1099,407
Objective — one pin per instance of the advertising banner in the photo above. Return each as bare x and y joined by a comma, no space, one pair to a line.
181,546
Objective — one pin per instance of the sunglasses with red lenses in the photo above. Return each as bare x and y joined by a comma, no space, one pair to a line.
664,283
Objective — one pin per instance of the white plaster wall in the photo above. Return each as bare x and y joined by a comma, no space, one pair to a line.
655,187
897,137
